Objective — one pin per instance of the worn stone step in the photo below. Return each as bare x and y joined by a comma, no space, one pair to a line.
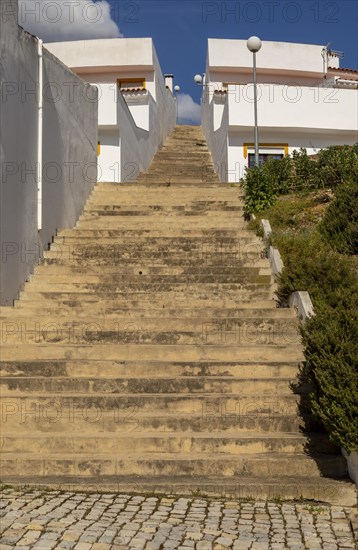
204,443
184,168
158,267
134,187
282,317
285,487
184,184
11,386
56,334
158,183
151,352
160,300
150,369
151,331
125,206
174,176
147,276
139,222
162,259
209,219
218,245
92,211
249,325
215,417
243,248
114,261
230,290
115,307
165,464
94,405
135,193
144,233
129,283
140,298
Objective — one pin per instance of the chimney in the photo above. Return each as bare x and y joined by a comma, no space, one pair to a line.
169,81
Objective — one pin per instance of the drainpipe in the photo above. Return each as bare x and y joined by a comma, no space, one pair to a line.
325,60
39,133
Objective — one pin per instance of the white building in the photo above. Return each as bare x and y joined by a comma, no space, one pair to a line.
304,100
136,108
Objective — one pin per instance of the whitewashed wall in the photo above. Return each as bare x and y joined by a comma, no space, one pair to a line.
217,135
136,146
18,154
70,143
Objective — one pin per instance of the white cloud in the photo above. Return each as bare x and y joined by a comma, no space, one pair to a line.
188,110
57,20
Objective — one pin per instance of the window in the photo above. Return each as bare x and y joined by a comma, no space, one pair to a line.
266,151
264,157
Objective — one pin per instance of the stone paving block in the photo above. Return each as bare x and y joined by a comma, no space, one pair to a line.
240,529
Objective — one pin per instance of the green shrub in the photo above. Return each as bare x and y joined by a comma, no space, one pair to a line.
338,164
312,265
290,212
331,351
259,193
316,259
299,173
279,174
340,223
330,338
306,171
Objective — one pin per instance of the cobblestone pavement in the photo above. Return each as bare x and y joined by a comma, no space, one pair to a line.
47,520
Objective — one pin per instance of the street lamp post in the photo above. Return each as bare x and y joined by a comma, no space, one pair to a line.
254,45
177,90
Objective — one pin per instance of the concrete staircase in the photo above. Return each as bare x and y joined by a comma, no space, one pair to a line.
146,353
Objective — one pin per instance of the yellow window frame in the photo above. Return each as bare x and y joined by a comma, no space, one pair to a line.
283,146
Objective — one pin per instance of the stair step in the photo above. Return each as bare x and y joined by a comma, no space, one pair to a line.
218,234
52,420
123,385
134,261
113,307
139,222
150,369
231,290
282,317
171,464
129,419
255,353
145,276
207,444
337,492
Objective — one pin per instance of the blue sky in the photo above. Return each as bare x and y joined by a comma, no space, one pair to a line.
180,28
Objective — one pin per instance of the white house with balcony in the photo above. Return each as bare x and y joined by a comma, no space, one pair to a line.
304,100
136,108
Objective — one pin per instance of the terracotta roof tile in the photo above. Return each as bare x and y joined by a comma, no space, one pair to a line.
343,70
126,90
